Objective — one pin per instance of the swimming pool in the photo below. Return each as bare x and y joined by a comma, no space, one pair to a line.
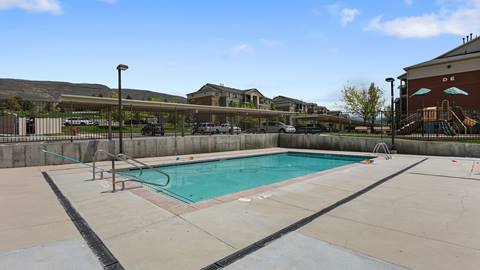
200,181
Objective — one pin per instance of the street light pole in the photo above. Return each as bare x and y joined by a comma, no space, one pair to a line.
392,115
120,68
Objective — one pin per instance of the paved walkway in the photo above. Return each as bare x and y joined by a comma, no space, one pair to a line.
426,218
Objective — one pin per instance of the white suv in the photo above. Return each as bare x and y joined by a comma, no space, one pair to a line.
203,128
227,128
277,127
75,121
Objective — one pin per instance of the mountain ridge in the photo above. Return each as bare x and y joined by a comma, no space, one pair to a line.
51,90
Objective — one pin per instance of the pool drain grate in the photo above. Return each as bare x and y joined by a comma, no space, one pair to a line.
295,226
106,258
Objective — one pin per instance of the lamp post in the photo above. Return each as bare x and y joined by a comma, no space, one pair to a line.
120,68
392,115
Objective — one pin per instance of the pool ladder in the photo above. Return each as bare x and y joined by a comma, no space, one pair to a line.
382,146
130,161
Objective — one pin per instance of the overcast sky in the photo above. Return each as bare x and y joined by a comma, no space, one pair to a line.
300,48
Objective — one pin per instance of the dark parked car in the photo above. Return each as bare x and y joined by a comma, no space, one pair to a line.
153,130
310,128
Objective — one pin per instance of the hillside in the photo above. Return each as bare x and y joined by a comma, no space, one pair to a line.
52,90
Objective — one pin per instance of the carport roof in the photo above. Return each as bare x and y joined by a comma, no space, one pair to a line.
85,102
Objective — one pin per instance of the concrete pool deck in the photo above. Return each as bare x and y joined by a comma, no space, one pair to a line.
426,218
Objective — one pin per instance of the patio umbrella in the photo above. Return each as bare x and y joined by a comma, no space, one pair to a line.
421,92
453,91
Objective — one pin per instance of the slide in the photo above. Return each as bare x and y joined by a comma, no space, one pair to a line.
446,128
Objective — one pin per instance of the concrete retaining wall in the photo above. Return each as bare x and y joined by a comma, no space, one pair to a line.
315,141
30,154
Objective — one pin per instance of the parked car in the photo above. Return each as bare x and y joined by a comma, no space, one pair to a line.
204,128
75,121
310,128
276,127
153,130
227,128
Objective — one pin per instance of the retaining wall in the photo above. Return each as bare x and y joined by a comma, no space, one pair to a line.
339,143
30,154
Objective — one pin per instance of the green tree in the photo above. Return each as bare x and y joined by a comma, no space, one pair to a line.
364,102
249,105
387,115
232,104
273,106
11,104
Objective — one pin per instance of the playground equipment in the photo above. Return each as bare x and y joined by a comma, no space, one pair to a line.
444,119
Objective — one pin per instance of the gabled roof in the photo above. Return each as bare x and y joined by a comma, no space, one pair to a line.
446,60
470,49
253,90
471,46
290,99
222,88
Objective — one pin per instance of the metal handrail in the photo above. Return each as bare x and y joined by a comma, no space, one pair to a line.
384,147
125,158
129,161
409,119
459,121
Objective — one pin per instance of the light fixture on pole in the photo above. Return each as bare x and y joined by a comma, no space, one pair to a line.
392,115
120,68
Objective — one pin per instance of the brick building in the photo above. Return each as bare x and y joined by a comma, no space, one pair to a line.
459,67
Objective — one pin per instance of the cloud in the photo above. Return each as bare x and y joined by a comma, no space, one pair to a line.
270,43
348,15
408,2
51,6
240,49
462,19
345,14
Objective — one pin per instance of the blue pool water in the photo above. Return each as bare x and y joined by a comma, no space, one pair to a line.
205,180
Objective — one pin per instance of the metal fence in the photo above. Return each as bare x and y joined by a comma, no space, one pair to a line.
429,124
33,121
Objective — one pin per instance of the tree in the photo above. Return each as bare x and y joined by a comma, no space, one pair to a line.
232,104
16,104
387,117
366,103
273,106
249,105
128,97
